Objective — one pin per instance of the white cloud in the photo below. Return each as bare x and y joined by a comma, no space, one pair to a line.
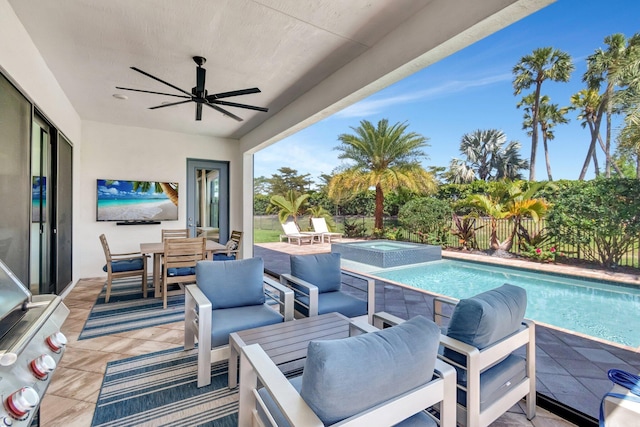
372,106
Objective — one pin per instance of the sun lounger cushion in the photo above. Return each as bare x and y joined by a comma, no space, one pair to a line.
344,377
126,265
322,270
245,287
336,301
239,318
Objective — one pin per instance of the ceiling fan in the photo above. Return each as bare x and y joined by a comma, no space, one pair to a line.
199,94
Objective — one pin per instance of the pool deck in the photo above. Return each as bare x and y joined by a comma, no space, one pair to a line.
570,368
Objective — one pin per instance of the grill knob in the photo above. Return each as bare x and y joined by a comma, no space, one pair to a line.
56,341
42,365
22,401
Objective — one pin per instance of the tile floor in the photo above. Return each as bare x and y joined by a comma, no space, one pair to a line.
73,392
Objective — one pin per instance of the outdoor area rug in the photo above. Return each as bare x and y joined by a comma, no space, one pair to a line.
127,310
160,389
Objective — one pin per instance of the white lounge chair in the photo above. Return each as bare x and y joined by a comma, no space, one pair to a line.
320,226
292,232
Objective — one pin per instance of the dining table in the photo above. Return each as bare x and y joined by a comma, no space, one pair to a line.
157,250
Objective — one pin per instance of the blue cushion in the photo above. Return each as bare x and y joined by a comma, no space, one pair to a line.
336,301
321,270
346,376
125,265
181,271
223,257
230,284
488,317
227,320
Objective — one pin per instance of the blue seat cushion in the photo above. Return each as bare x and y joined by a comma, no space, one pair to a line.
181,271
223,257
336,301
125,265
497,380
418,420
227,320
321,270
229,284
344,377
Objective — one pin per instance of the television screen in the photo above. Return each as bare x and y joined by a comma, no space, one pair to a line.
120,200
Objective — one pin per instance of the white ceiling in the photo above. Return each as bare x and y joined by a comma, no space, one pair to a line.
284,47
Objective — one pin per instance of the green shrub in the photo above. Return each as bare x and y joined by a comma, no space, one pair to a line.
601,218
428,217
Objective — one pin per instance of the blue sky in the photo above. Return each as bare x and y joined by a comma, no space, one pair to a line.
472,89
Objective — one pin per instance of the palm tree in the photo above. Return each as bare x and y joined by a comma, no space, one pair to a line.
290,205
629,136
543,64
549,116
509,201
487,158
168,188
615,67
386,158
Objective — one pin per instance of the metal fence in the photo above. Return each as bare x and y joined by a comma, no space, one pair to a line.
631,258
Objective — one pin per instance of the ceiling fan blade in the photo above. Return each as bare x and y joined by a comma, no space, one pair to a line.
198,111
150,91
234,104
223,111
233,93
160,80
169,105
201,74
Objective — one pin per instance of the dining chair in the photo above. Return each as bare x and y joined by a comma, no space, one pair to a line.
232,248
175,233
123,265
180,258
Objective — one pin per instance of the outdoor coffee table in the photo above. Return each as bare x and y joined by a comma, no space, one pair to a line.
286,343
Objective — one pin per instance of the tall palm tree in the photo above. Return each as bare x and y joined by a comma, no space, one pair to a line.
486,158
384,157
543,64
589,104
615,67
629,136
290,205
549,116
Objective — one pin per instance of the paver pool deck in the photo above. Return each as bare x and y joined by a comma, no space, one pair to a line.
570,368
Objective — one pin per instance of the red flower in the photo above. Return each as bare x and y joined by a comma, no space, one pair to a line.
538,250
552,250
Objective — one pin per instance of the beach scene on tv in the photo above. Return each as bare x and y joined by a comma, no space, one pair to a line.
120,200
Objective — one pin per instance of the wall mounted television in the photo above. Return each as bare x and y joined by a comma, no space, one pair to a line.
136,201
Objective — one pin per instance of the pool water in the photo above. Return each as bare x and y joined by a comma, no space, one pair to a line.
602,310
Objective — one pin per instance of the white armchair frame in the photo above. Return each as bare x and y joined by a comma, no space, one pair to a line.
256,368
198,323
311,291
480,360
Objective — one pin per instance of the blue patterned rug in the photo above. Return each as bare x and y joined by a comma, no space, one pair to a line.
159,389
127,310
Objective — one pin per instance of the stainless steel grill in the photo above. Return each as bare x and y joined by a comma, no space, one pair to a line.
31,346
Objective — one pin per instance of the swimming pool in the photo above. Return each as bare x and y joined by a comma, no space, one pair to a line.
602,310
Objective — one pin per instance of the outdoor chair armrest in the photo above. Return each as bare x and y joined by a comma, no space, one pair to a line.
286,296
197,317
383,320
311,291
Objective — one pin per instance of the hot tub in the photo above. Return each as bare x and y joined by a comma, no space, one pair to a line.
387,253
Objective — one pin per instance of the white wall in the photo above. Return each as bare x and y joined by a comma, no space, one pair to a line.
120,152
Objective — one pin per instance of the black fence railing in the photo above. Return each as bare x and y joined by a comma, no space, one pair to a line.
630,258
